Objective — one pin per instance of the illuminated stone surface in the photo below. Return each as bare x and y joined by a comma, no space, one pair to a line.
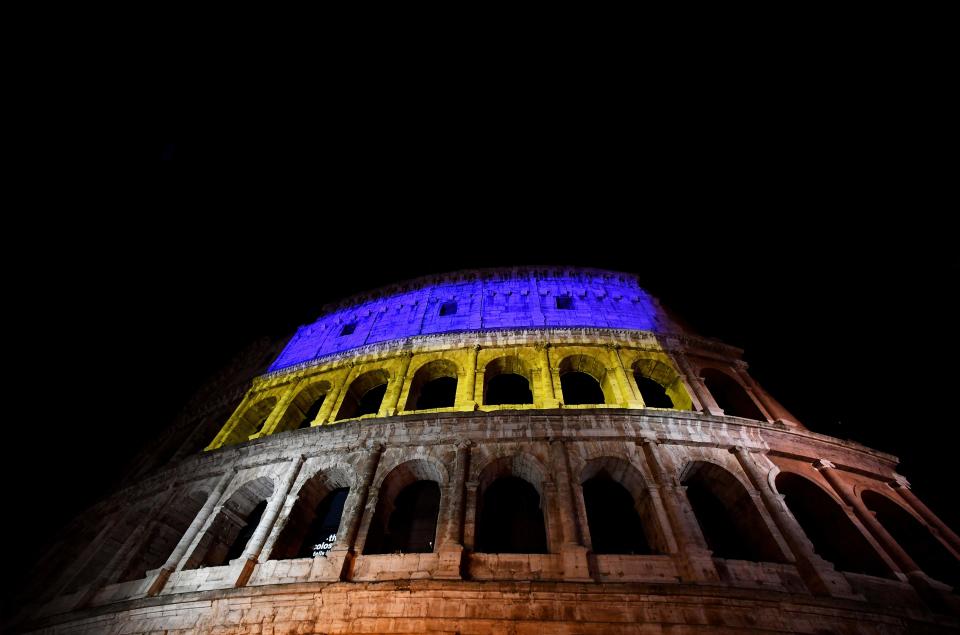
729,542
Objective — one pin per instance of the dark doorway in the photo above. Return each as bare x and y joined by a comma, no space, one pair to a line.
728,518
580,389
654,395
312,413
412,526
508,388
307,529
240,542
510,519
835,538
615,525
931,556
730,395
439,393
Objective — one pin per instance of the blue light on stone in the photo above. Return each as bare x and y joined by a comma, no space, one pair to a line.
517,299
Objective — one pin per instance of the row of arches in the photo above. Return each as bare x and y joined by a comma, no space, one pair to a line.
507,380
510,508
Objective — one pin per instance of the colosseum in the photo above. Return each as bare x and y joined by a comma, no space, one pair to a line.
524,450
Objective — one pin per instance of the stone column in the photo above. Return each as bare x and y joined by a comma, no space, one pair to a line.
353,511
270,425
231,423
470,516
934,596
662,518
756,395
631,395
888,545
547,388
331,404
389,406
251,553
572,550
818,574
468,400
450,543
698,390
696,561
177,558
938,527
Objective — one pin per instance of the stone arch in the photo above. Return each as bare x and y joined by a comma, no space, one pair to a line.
164,534
315,515
251,421
365,394
828,527
434,385
914,537
111,544
730,394
621,517
227,534
305,407
510,506
728,516
584,380
408,507
660,383
502,383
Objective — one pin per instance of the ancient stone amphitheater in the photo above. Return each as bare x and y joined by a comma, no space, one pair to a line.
535,450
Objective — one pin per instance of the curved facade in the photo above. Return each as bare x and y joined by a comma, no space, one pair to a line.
528,450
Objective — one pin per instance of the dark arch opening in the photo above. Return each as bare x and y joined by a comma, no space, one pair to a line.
730,395
930,555
728,518
508,388
654,395
227,536
580,389
433,386
510,519
412,523
615,525
835,538
438,393
311,524
312,413
164,535
365,395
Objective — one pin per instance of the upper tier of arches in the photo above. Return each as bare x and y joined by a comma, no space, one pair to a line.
477,301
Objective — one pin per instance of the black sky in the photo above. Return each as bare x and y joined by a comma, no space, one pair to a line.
813,233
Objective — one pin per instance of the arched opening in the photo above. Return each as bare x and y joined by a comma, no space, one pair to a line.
251,421
835,538
654,395
621,516
728,518
581,380
365,395
111,544
433,386
163,536
510,518
408,507
930,555
730,395
660,385
227,536
615,525
506,380
314,518
305,407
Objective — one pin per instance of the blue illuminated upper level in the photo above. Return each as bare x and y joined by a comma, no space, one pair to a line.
484,299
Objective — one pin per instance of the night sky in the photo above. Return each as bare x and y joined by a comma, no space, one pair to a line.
846,314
